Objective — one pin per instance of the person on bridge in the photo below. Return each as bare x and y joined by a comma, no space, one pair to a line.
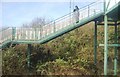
76,14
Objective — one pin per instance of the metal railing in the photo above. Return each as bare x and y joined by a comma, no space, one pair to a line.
54,26
5,35
58,24
111,3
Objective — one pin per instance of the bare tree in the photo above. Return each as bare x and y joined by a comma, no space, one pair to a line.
36,23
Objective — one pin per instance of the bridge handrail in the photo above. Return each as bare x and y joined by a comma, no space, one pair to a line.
84,7
5,34
4,29
58,24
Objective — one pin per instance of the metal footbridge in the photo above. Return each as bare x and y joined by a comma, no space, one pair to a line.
101,12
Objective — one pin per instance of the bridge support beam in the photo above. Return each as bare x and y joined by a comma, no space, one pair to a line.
105,44
115,52
95,43
28,55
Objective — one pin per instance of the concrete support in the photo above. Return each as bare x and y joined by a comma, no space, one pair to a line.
115,52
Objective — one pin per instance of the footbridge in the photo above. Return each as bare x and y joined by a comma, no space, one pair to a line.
106,13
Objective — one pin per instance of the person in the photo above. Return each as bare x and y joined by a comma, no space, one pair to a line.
76,14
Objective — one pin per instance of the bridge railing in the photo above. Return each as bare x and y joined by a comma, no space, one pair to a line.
27,33
111,3
70,18
54,26
5,35
58,24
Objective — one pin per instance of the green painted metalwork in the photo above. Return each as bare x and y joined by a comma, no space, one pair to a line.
105,39
114,7
108,24
13,33
50,36
4,29
40,31
115,53
95,43
60,32
4,44
108,4
54,27
64,25
63,22
94,16
36,31
105,45
111,45
88,10
104,6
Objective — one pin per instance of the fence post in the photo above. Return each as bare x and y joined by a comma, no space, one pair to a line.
13,33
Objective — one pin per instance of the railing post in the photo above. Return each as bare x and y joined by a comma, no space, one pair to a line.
115,2
88,10
13,33
40,31
94,11
108,4
54,27
36,34
104,6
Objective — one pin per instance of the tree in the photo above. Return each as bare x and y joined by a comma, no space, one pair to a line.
37,22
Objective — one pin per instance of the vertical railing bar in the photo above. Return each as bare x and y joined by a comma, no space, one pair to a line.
40,31
13,33
88,10
35,34
54,27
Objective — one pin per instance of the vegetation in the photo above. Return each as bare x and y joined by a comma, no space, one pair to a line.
70,54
